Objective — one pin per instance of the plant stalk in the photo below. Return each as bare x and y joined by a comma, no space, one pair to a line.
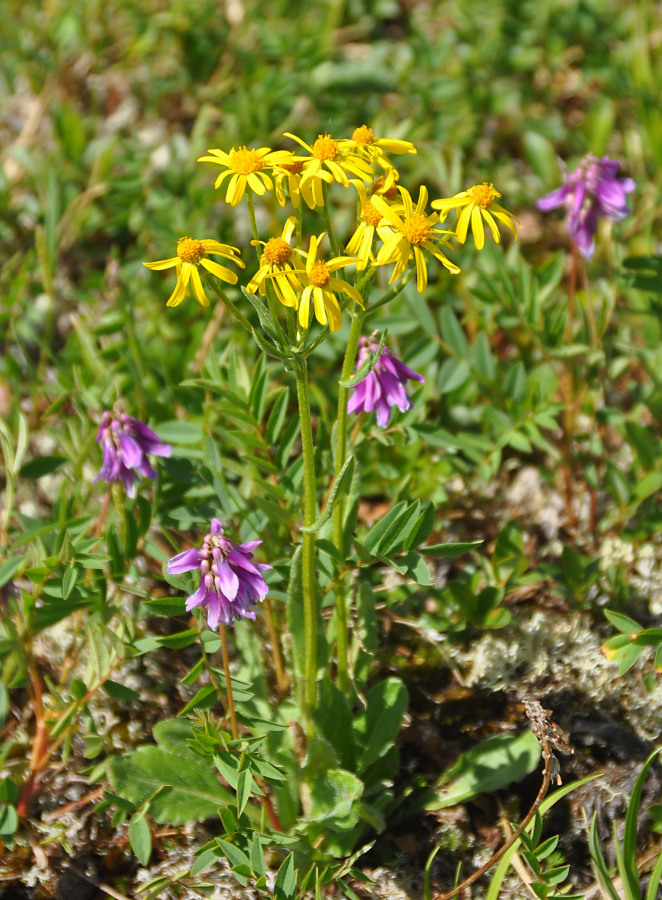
228,682
309,590
342,634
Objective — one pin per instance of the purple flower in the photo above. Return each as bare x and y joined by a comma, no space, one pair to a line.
591,191
384,387
230,582
126,443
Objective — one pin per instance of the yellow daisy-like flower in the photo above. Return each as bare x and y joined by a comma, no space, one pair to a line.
478,203
406,232
246,168
288,174
363,139
322,288
281,267
190,255
362,241
327,163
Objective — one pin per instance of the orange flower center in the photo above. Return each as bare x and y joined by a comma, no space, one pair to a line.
390,193
325,147
245,162
190,250
276,252
294,168
416,229
319,274
363,135
483,194
370,215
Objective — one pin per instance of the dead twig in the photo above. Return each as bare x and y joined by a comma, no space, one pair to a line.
550,739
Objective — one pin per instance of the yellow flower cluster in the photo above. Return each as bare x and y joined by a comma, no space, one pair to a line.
391,228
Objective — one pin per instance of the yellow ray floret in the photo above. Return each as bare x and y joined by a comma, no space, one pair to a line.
279,266
327,163
321,288
363,139
191,254
407,231
246,168
477,203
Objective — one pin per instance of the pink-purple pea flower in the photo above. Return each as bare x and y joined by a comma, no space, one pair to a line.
230,582
126,442
384,386
590,192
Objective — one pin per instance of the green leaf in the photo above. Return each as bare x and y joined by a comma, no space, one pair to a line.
267,347
453,374
277,418
244,790
491,765
599,861
8,823
340,488
264,316
367,366
623,623
630,831
335,722
449,549
286,880
42,465
204,698
192,790
140,837
484,362
641,439
180,432
378,725
69,582
119,691
10,567
453,333
377,532
334,793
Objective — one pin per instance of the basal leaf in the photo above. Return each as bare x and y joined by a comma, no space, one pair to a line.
491,765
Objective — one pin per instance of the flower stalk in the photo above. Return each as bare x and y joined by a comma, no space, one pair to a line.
309,593
342,636
228,681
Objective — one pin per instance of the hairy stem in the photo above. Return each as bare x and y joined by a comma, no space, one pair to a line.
308,543
342,639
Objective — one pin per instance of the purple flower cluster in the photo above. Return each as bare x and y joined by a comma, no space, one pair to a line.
126,443
230,582
384,386
591,191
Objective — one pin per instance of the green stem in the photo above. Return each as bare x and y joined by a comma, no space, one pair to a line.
231,305
392,294
308,544
342,639
251,214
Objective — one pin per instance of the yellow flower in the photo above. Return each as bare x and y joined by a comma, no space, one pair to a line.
327,163
406,231
322,288
288,174
478,203
280,267
363,139
190,255
362,241
245,168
